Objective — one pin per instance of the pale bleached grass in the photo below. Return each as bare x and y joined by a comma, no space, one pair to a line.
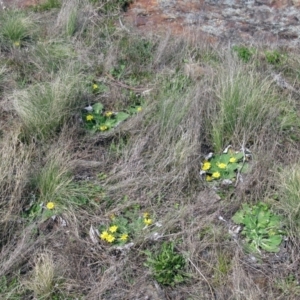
43,107
42,278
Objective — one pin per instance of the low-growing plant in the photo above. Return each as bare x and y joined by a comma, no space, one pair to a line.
123,228
262,229
95,119
167,266
274,57
244,53
224,166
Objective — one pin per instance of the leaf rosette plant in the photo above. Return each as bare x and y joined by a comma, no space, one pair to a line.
262,229
96,119
123,228
167,265
223,166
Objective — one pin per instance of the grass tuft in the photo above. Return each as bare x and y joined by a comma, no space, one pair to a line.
43,107
16,28
42,278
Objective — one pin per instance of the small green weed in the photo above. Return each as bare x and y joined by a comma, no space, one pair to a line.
243,52
167,266
274,57
262,229
224,166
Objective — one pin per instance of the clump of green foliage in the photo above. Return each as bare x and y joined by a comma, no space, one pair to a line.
243,52
224,166
167,266
97,120
262,229
274,57
123,228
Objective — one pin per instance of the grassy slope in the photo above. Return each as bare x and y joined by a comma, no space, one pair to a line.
195,99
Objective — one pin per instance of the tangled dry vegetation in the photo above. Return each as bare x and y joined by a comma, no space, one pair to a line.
66,191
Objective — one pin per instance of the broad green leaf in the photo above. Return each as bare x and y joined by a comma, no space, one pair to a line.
121,116
238,217
97,107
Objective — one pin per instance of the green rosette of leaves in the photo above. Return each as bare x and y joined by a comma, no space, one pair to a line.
262,229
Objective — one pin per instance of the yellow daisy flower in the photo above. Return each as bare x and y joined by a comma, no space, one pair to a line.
232,159
208,178
222,165
17,44
206,166
89,117
50,205
108,114
104,235
216,175
113,228
139,109
148,221
110,238
95,86
124,237
146,215
103,128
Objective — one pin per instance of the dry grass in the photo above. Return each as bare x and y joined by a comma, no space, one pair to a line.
149,163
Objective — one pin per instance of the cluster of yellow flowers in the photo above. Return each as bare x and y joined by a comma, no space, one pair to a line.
215,175
147,219
110,235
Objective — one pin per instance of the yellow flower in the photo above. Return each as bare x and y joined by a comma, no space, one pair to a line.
124,237
104,235
50,205
206,166
139,109
89,117
146,215
216,175
222,165
147,221
108,114
103,128
17,44
113,228
208,178
95,86
232,159
110,238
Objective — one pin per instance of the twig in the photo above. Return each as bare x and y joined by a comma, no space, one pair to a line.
211,290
